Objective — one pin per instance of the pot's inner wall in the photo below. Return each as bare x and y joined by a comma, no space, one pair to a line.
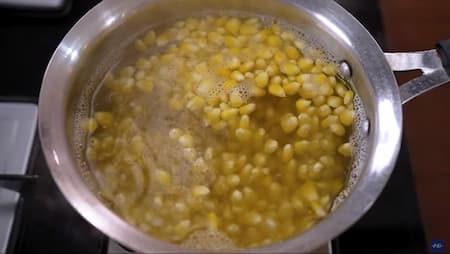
112,44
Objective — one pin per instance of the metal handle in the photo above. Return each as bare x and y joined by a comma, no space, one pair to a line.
428,62
16,182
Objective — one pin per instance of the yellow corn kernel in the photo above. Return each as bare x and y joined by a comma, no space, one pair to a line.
304,130
277,90
325,123
305,64
233,63
237,75
248,29
301,147
302,104
243,134
317,208
232,180
333,81
200,190
186,140
334,101
175,133
348,97
329,69
309,191
304,118
215,38
237,197
196,103
339,110
201,67
288,123
204,87
247,109
279,57
292,52
249,75
287,153
346,117
105,119
262,79
291,88
145,85
91,125
270,146
247,66
244,122
140,45
258,92
233,229
263,52
274,40
289,68
340,89
163,177
224,106
337,129
308,90
319,100
345,149
186,48
213,220
220,21
241,161
236,99
229,113
216,59
259,159
275,80
304,78
213,115
233,26
143,64
260,63
261,35
150,38
317,69
137,145
272,69
324,111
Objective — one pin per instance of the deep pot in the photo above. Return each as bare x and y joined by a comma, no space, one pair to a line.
99,38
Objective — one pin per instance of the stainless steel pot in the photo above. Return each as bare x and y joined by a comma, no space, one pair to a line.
98,38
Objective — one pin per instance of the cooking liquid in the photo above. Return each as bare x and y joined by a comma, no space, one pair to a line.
191,152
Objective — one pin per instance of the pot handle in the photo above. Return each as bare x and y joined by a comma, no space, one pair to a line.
434,64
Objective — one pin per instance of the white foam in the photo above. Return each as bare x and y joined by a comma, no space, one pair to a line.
358,139
208,239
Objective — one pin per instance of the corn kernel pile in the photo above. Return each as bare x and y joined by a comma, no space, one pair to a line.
223,127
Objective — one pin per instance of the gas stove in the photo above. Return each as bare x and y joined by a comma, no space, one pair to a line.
36,218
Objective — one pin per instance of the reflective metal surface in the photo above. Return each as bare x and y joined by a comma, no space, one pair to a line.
428,62
99,37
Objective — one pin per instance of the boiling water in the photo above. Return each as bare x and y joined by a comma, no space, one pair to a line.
151,113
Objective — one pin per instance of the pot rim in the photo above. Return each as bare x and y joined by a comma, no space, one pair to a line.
385,130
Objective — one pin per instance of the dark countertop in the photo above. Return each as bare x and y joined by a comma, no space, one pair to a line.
50,224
